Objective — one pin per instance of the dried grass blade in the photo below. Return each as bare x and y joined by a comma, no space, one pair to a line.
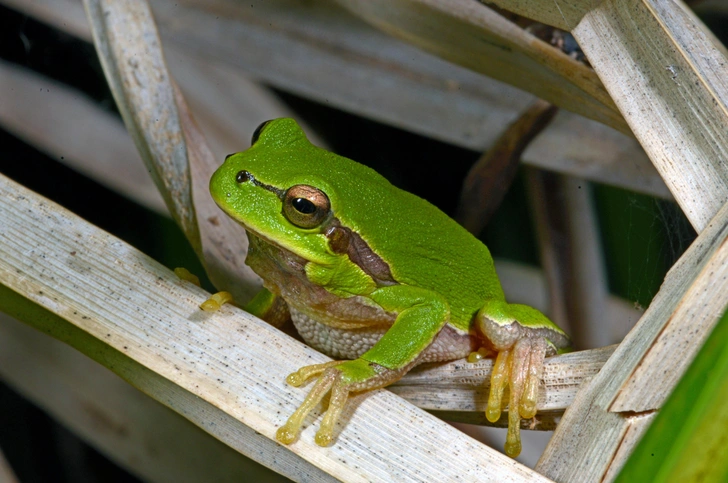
177,154
476,37
130,52
635,381
114,417
671,83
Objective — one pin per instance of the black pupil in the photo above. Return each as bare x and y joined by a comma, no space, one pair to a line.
302,205
243,176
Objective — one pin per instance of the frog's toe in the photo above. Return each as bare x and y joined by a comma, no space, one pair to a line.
216,301
526,367
534,370
288,433
185,274
325,434
498,382
305,373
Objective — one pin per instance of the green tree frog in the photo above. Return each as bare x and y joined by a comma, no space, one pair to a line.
373,275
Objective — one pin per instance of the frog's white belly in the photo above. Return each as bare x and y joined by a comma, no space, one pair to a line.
339,343
348,343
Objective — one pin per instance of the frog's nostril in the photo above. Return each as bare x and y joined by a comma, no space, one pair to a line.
243,177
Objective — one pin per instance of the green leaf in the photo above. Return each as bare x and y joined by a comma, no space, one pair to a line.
688,441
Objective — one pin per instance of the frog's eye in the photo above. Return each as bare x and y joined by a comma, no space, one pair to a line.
256,133
306,206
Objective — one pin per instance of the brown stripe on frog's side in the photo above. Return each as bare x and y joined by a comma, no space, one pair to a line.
343,240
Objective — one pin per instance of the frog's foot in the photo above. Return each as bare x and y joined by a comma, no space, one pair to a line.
523,337
215,301
340,378
520,368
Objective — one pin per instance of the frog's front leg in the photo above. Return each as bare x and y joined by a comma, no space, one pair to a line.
523,338
265,305
270,307
420,316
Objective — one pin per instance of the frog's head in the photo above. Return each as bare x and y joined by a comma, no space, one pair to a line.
288,191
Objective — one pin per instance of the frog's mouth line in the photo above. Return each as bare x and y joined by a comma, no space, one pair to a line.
257,234
249,231
254,239
264,238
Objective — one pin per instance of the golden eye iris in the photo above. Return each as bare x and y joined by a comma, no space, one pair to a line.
306,206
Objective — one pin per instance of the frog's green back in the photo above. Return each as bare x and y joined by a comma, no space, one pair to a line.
429,250
424,246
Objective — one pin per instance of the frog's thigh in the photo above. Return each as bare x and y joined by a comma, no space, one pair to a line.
449,344
503,324
421,314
